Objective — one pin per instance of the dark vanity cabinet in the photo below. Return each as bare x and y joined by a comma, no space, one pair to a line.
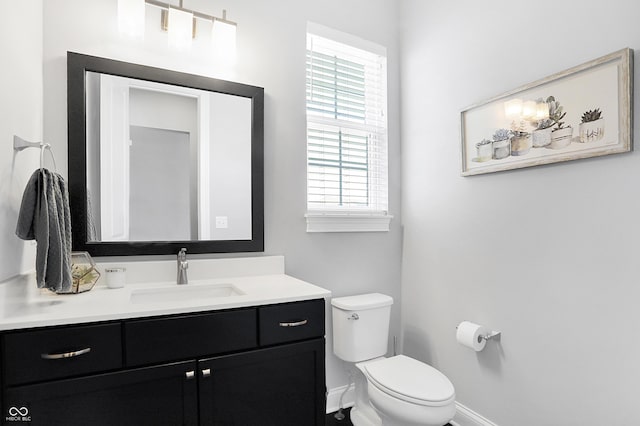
158,395
250,366
277,386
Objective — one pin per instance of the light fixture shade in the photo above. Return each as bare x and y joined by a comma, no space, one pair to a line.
223,38
131,18
180,29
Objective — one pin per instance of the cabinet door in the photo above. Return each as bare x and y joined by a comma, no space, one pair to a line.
278,386
162,395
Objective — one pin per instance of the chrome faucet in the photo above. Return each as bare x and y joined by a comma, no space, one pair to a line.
182,267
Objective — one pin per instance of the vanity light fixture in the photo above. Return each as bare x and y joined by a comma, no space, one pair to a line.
131,18
180,23
180,27
223,38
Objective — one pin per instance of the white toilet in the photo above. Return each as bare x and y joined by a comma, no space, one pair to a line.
395,391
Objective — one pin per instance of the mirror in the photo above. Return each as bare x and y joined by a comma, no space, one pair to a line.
160,160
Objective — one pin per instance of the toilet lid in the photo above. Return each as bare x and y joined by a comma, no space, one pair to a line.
411,380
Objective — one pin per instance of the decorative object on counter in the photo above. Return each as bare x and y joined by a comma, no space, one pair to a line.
520,143
591,128
116,277
83,271
502,143
485,150
534,115
45,217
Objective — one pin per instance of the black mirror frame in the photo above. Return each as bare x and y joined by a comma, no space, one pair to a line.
77,67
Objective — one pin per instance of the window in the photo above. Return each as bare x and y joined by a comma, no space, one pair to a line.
346,133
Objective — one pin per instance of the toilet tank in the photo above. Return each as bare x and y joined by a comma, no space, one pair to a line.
361,326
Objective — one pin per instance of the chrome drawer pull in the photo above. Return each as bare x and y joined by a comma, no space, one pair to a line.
293,324
206,372
190,374
66,354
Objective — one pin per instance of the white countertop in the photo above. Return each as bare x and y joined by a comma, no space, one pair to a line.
40,308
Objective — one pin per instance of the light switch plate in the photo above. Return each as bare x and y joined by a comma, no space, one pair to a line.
221,222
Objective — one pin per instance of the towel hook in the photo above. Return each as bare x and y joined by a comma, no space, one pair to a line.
43,147
19,144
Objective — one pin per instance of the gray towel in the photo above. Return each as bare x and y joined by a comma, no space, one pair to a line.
45,216
92,232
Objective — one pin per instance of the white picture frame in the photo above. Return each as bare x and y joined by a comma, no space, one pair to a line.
599,91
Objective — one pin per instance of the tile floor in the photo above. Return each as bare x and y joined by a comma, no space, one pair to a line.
330,420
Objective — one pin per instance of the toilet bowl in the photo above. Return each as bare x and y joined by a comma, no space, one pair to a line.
407,392
395,391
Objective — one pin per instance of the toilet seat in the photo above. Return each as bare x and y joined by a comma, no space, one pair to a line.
410,380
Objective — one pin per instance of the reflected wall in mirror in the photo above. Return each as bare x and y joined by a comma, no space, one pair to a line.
160,160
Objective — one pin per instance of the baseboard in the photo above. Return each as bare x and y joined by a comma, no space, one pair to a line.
467,417
464,415
333,398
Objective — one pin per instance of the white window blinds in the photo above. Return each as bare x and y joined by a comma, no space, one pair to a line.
346,127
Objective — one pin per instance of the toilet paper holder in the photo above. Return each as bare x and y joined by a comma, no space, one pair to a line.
492,335
495,335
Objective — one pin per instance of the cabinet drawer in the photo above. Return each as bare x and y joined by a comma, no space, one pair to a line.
174,338
41,355
288,322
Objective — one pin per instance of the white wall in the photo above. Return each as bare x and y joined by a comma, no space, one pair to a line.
230,167
21,114
160,185
548,255
271,54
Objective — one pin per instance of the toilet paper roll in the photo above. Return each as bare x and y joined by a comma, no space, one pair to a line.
470,335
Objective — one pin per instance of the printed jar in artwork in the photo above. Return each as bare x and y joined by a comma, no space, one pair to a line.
521,144
591,131
501,149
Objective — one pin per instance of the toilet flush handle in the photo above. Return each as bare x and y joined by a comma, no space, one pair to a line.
354,316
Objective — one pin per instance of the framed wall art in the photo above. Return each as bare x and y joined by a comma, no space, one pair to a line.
585,111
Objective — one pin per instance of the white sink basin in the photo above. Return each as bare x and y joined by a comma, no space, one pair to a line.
184,293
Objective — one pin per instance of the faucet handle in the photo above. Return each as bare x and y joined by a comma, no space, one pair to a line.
182,266
182,254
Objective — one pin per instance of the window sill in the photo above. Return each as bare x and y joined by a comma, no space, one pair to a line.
347,222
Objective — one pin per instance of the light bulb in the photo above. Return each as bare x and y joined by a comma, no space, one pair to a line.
131,18
223,39
180,29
